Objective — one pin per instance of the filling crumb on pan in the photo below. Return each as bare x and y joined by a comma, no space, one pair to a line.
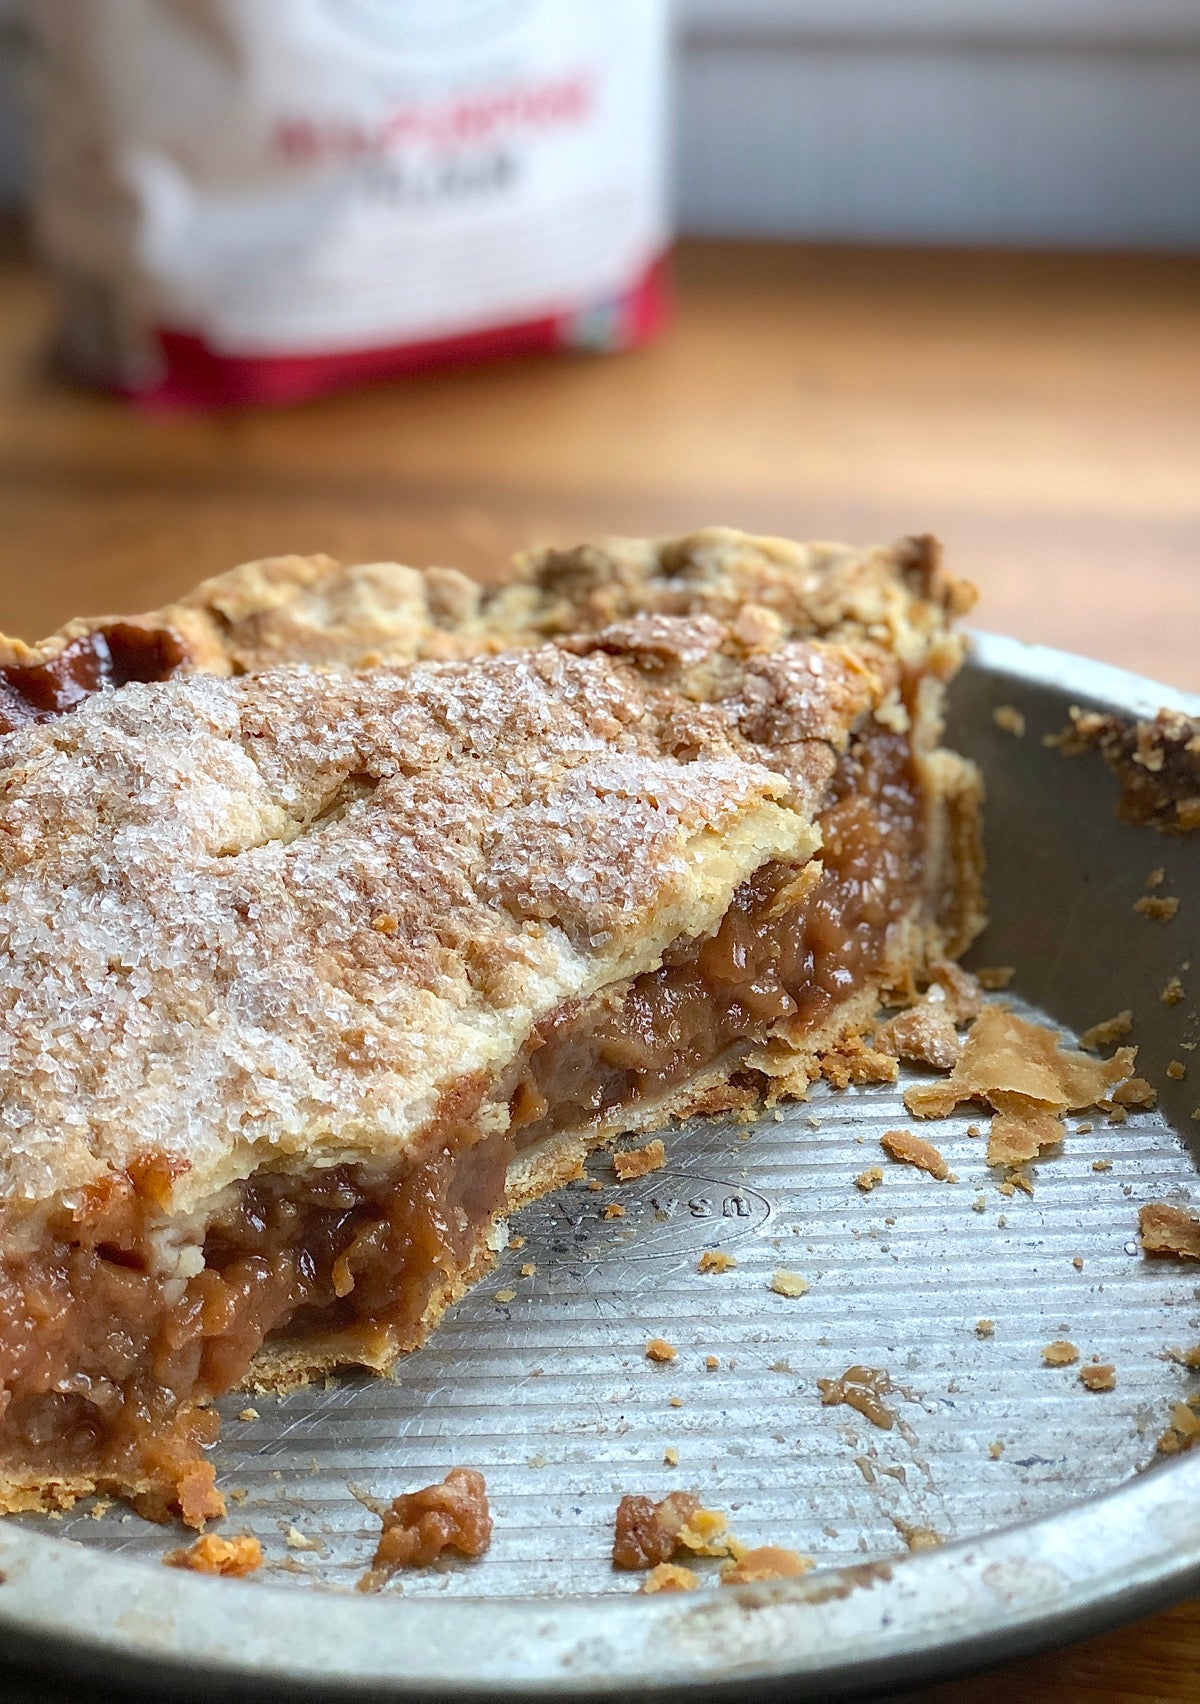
863,1389
421,1526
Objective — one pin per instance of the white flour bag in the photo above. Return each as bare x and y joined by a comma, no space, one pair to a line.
256,200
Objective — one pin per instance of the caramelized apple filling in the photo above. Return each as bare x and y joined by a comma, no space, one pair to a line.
787,951
110,1353
95,662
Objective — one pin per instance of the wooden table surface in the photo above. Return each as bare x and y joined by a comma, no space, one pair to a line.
1042,415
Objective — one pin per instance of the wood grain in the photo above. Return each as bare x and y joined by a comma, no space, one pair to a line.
1042,414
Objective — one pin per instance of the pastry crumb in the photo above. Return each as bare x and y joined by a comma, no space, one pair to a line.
1101,1165
296,1540
595,1185
789,1284
612,1210
910,1150
1161,908
869,1179
1106,1032
1060,1353
711,1363
670,1456
1176,1070
1137,1093
996,1448
1168,1230
995,977
979,1205
715,1260
1156,878
232,1558
985,1328
1098,1375
1183,1430
924,1034
636,1162
670,1577
528,1270
249,1414
1010,719
503,1296
658,1349
1077,1262
768,1562
1172,992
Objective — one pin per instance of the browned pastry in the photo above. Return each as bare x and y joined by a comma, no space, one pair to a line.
307,976
1157,764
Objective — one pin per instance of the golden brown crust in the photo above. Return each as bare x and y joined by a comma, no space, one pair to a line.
311,609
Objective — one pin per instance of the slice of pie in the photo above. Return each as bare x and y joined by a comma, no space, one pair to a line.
308,976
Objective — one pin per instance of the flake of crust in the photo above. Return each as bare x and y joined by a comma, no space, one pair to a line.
1170,1231
925,1033
863,1389
658,1349
1010,719
1097,1375
528,1270
961,991
869,1179
1176,1070
854,1062
613,1210
711,1363
767,1562
1172,992
648,1533
912,1150
1183,1432
670,1456
789,1284
1189,1358
715,1260
421,1526
233,1558
249,1414
996,1448
1106,1032
1101,1165
985,1328
1060,1353
994,978
670,1577
637,1162
1019,1067
1137,1092
1157,877
1161,907
1021,1134
1157,764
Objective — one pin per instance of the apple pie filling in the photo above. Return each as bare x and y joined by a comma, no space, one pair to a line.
788,950
97,661
116,1335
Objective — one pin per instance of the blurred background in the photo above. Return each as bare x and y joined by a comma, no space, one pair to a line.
384,278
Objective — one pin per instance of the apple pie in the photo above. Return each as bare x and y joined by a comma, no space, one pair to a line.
311,973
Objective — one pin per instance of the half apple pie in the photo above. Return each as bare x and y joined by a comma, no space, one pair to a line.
309,975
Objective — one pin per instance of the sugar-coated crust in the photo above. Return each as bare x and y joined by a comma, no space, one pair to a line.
311,609
270,920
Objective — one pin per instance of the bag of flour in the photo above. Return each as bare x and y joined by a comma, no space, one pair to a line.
256,200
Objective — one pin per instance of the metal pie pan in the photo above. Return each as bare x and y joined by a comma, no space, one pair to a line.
1055,1514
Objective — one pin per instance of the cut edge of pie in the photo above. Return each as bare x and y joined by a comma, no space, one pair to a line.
725,1000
